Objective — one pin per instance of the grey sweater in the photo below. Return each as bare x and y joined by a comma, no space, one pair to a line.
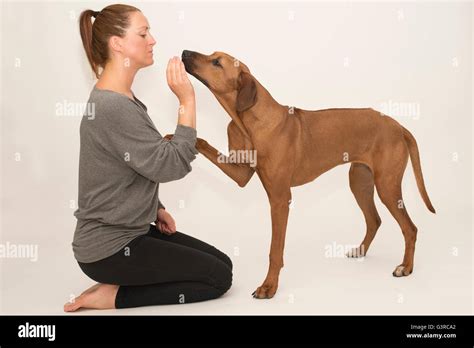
122,160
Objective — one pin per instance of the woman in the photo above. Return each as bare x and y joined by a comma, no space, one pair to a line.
123,158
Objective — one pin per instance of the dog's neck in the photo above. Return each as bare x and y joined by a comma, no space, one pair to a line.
228,103
266,115
260,117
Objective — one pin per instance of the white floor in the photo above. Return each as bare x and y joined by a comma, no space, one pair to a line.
311,282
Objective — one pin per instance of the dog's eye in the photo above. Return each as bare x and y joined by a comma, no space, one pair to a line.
215,62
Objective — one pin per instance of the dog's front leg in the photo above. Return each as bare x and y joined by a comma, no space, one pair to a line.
280,199
239,172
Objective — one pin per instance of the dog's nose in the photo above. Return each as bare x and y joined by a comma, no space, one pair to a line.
187,54
187,58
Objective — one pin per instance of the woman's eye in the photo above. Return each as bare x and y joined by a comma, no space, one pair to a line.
143,35
215,62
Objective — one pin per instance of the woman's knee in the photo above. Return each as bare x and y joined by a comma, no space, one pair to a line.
223,276
93,273
223,257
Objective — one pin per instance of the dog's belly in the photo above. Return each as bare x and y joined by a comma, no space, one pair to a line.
306,173
301,177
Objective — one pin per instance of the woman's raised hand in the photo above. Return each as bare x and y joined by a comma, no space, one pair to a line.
178,81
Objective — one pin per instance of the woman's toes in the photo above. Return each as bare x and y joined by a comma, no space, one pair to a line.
69,307
73,306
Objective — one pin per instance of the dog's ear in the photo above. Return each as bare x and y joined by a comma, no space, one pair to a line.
247,92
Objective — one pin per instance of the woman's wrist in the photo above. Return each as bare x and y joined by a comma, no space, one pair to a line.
187,112
190,100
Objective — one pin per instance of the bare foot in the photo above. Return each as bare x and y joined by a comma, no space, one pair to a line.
98,296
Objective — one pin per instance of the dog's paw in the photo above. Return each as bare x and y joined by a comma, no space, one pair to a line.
402,271
265,291
356,252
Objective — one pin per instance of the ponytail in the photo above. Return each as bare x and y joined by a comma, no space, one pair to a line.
85,27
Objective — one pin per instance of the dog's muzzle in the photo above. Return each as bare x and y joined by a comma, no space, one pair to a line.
188,58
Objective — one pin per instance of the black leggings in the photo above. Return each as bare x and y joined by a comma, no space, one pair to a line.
156,269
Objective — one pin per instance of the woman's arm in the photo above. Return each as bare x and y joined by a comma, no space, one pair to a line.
180,85
128,135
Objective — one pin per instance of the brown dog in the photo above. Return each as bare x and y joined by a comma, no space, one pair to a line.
295,146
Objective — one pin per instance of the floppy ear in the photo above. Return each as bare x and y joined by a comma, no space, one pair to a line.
247,93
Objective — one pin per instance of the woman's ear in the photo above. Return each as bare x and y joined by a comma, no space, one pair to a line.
116,43
247,92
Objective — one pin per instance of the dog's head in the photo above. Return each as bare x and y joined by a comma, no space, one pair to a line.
224,76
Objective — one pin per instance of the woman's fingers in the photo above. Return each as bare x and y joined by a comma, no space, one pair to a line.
169,73
172,226
184,74
170,223
178,80
163,227
166,230
179,75
175,72
183,71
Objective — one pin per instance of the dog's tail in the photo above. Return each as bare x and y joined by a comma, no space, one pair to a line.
415,161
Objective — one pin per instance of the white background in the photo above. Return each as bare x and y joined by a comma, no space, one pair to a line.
310,55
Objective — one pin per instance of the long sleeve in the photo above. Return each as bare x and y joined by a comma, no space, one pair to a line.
131,136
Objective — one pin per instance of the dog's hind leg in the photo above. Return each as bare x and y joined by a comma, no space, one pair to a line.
361,181
388,180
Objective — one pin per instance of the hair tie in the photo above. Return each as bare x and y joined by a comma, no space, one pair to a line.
95,13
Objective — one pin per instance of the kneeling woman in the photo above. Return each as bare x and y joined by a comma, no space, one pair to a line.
123,158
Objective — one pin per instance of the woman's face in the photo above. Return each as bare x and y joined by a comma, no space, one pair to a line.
138,43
